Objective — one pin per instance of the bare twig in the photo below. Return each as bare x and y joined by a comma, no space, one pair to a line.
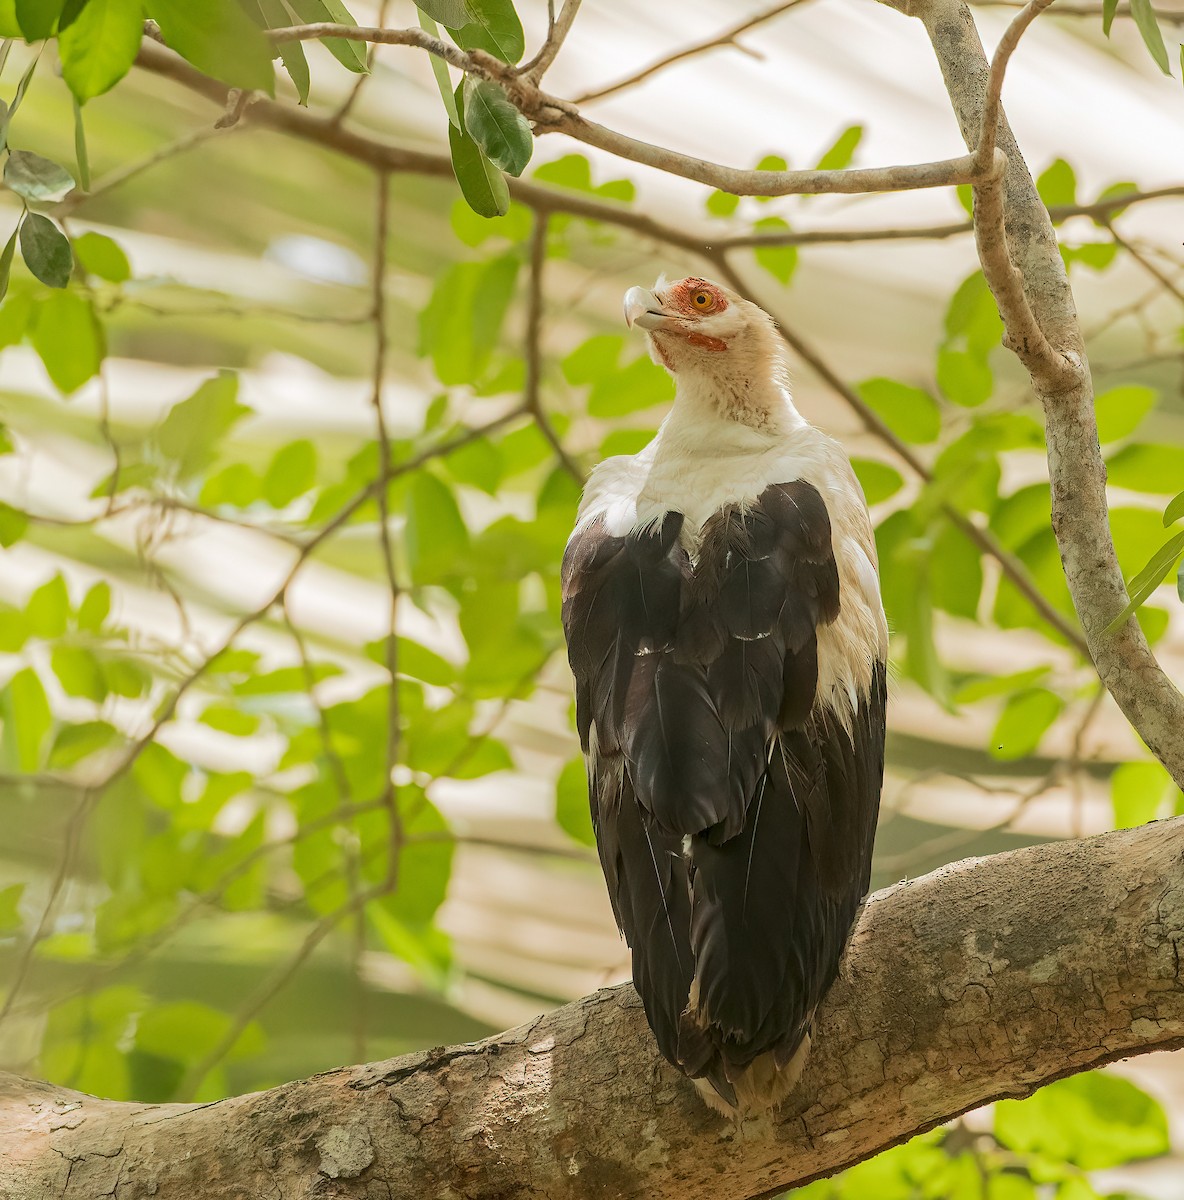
1085,10
557,30
1145,262
989,125
121,175
532,401
385,472
1024,334
726,38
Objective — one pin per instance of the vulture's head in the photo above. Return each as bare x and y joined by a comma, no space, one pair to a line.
698,326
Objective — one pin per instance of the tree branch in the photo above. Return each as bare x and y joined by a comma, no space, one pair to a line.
557,32
982,980
726,38
1080,512
554,115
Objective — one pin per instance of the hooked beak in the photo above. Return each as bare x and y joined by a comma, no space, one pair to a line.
643,308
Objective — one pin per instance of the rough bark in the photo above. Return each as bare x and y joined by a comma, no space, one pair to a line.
983,980
1080,513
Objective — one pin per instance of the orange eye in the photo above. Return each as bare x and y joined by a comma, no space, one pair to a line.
703,301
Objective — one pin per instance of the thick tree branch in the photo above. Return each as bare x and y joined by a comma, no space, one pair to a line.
985,979
1080,513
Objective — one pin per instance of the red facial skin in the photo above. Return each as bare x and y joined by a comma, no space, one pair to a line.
680,298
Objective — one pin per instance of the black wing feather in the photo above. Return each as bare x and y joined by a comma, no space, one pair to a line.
734,813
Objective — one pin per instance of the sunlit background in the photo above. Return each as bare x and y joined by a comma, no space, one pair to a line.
179,957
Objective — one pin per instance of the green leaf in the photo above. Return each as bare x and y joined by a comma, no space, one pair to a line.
990,686
462,321
435,535
237,485
1023,722
218,38
1121,410
46,250
292,473
481,183
78,672
1109,8
1147,467
227,719
878,479
37,17
721,204
1149,578
571,802
99,46
10,916
36,178
779,261
189,435
27,719
68,337
908,411
1057,184
275,15
6,256
501,131
102,257
973,315
478,464
453,14
963,378
594,358
1138,791
1174,510
13,525
956,573
493,26
639,385
15,315
73,743
350,54
1144,16
187,1031
439,66
81,155
416,661
95,607
842,151
1093,1121
21,88
47,610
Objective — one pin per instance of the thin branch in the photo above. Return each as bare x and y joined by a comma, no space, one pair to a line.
989,125
557,31
1085,10
726,38
121,175
385,471
554,115
1146,263
271,987
317,129
1023,332
533,402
